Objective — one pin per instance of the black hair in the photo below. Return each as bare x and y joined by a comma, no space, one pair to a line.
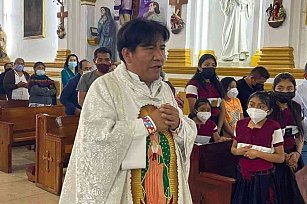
138,32
5,65
80,63
215,80
102,50
157,9
66,61
305,68
283,76
37,64
67,58
226,81
19,59
199,102
259,72
205,57
293,106
264,97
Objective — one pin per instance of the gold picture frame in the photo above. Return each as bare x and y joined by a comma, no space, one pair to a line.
34,18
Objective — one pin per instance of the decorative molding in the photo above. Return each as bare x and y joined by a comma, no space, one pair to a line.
61,55
88,2
92,41
178,57
277,57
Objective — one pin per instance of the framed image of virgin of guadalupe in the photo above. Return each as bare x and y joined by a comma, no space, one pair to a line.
34,25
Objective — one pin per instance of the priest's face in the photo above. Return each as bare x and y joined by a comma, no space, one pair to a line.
146,61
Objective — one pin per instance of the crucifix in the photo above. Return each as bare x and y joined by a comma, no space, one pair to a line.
61,15
177,4
48,159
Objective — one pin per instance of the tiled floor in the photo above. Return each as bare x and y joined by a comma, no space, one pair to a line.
15,187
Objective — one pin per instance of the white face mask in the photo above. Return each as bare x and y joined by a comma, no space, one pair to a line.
84,72
256,114
233,93
203,116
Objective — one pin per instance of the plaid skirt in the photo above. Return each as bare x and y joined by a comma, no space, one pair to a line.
260,189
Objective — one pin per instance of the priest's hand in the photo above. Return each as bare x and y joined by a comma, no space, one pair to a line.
171,116
156,117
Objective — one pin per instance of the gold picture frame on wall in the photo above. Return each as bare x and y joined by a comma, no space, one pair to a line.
34,18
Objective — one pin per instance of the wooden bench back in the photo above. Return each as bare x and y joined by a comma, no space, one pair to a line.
24,120
13,103
212,155
54,140
24,117
62,127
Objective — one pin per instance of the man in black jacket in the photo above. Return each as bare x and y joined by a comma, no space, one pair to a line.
69,95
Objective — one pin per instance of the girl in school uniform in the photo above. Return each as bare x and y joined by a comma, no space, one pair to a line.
234,111
288,113
205,84
206,127
258,142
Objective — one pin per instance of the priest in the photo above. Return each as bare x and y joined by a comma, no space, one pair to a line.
133,143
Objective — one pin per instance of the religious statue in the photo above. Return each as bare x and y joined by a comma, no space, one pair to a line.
143,7
122,11
61,31
275,10
61,15
269,11
3,54
177,24
153,13
106,30
237,13
276,14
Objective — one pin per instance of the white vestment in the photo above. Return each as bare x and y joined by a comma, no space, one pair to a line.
111,139
237,13
301,98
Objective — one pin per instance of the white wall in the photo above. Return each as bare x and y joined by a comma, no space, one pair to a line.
40,49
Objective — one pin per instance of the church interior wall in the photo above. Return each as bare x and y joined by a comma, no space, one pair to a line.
215,28
199,34
303,36
38,49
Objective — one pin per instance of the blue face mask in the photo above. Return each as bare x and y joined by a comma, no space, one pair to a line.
40,72
19,68
72,65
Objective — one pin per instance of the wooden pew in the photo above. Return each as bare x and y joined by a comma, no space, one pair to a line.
212,173
54,139
13,103
17,127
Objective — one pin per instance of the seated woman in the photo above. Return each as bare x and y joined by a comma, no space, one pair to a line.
234,111
205,126
70,68
41,88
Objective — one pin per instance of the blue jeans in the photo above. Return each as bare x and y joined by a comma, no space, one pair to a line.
304,153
